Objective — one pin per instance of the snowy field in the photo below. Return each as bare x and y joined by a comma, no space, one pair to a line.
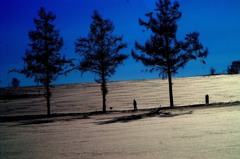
209,132
76,98
197,132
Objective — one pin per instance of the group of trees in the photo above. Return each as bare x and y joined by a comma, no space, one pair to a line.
100,51
234,68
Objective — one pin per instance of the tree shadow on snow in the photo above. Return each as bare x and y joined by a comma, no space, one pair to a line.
152,113
43,119
51,120
135,115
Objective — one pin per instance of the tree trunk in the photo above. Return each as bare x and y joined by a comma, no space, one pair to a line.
104,101
47,87
170,88
104,92
48,96
48,93
169,73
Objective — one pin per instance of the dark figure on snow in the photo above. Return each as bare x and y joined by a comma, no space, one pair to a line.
134,104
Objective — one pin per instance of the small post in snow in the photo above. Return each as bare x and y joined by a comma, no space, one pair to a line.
207,99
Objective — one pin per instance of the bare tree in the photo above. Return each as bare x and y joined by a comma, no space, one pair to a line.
163,51
99,52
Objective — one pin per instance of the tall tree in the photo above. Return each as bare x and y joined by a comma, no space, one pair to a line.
234,68
43,61
163,52
99,52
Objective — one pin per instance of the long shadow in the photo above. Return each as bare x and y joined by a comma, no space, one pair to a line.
140,114
36,121
43,119
49,120
153,113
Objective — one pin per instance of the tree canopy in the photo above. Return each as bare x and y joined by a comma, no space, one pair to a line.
234,68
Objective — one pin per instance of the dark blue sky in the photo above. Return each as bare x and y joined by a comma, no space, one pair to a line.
217,21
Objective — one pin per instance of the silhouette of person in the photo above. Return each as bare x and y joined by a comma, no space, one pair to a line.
134,104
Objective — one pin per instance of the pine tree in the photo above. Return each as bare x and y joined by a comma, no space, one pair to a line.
99,52
163,52
43,61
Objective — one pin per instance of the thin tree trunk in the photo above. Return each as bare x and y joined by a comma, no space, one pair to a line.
47,84
169,74
103,87
48,95
103,83
170,88
48,100
104,101
104,90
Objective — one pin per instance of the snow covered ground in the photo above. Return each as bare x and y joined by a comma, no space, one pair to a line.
207,132
186,132
75,98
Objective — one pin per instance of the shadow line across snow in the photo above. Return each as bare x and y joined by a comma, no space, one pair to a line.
153,113
112,117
